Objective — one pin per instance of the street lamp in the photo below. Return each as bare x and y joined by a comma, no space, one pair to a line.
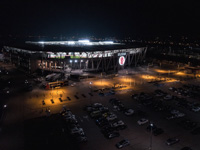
91,92
150,146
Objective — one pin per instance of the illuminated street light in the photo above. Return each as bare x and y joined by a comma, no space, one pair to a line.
150,146
70,61
75,61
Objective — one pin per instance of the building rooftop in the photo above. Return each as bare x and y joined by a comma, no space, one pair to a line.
72,46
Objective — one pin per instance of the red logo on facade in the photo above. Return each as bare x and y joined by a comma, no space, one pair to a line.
121,60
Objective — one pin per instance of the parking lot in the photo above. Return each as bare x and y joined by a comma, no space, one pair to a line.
157,107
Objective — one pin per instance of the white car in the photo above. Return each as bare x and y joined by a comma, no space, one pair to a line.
196,109
129,112
118,123
179,115
111,117
168,97
142,121
97,105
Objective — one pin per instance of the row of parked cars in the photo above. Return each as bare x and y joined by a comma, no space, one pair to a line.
183,92
119,106
159,102
73,126
107,121
183,102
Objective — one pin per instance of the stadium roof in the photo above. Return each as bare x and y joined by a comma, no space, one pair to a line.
72,46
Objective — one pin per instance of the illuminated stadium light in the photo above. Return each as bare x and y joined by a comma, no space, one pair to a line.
71,43
108,42
84,41
41,42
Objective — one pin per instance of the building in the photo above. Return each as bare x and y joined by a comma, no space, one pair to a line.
74,55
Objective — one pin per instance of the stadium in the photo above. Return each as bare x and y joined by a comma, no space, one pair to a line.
82,55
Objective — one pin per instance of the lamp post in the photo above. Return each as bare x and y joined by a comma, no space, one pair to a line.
150,146
91,92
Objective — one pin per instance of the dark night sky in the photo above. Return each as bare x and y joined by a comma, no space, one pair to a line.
99,18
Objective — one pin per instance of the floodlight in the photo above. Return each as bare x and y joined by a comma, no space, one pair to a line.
108,42
84,41
71,42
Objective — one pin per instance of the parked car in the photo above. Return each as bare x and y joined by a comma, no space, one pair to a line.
158,131
95,114
103,109
111,117
172,141
169,117
186,148
111,135
168,97
101,94
149,127
107,129
81,139
122,143
118,123
97,105
129,112
195,109
77,130
112,92
142,121
179,115
102,122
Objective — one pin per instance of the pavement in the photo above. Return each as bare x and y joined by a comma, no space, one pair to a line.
28,105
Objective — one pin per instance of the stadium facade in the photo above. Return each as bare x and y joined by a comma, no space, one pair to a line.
71,55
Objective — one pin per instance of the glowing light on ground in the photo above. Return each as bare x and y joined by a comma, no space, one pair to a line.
148,77
164,71
181,74
168,80
102,83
